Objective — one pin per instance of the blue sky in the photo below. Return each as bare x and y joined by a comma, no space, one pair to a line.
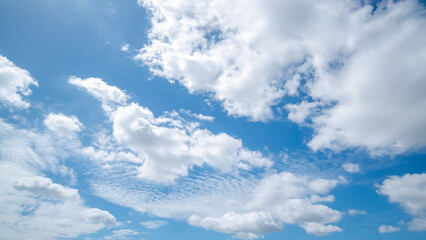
212,119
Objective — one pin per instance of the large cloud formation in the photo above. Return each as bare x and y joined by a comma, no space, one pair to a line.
32,206
167,146
357,68
163,149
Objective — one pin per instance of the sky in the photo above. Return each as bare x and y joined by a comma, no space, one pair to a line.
212,119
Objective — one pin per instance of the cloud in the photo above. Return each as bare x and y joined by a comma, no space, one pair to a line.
170,146
62,125
198,116
287,196
45,187
409,191
121,234
110,96
351,167
319,229
353,212
388,229
34,207
249,235
15,82
100,216
260,222
298,113
125,48
417,224
347,60
153,224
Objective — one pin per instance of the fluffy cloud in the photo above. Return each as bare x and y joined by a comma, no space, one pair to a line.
388,229
153,224
352,60
287,196
276,199
260,222
34,207
168,145
320,229
409,191
14,83
350,167
62,125
42,186
110,96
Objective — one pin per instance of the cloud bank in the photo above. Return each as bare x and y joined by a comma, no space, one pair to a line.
356,69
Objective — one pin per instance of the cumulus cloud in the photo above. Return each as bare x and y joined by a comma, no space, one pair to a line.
42,186
15,82
99,216
350,60
63,125
168,145
153,224
320,229
388,229
351,167
34,207
409,191
260,222
287,196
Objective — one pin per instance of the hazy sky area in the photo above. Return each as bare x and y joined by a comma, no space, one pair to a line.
213,119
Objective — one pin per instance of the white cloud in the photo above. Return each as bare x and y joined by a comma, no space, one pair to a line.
153,224
298,113
34,207
417,224
319,229
388,229
121,234
243,235
349,59
410,192
353,212
351,167
286,196
14,83
260,222
125,48
168,145
62,125
29,148
45,187
198,116
110,96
